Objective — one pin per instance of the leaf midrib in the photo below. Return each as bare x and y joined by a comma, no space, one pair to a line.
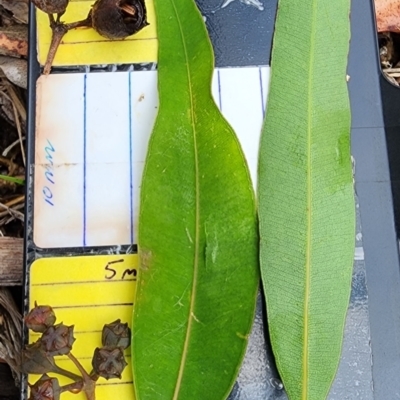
305,365
197,218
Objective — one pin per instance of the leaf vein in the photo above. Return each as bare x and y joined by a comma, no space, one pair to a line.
197,215
307,288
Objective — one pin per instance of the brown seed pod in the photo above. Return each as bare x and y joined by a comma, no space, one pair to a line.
40,318
51,6
109,362
46,388
116,334
118,19
57,340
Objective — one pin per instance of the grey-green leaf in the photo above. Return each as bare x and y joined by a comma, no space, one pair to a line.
198,240
306,202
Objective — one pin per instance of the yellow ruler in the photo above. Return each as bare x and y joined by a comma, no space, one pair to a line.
87,292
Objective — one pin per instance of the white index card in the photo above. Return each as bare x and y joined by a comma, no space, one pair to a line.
58,187
91,136
108,143
241,98
92,132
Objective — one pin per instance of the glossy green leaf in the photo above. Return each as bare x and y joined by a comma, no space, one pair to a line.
306,202
198,240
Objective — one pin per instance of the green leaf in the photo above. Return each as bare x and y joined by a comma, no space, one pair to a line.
12,179
306,201
198,240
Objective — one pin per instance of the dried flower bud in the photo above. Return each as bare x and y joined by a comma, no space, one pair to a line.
109,362
116,334
58,339
45,388
35,360
40,318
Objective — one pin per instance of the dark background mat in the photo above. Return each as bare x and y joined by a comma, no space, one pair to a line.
241,33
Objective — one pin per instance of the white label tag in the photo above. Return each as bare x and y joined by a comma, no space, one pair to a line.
92,132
